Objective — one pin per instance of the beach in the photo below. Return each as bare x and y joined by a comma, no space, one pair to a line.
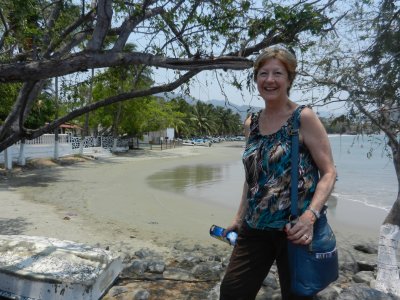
110,203
86,201
93,194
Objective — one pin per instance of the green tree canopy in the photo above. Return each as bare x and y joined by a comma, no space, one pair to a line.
62,38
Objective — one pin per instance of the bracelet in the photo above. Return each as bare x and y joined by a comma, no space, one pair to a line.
314,211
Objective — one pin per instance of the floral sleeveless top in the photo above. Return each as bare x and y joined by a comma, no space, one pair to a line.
267,163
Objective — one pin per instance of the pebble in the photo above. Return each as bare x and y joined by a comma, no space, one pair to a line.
195,273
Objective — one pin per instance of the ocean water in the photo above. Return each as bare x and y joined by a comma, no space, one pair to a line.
364,192
366,172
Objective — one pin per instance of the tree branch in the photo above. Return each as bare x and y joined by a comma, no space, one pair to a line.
389,133
104,16
55,13
57,41
83,61
131,23
12,122
178,34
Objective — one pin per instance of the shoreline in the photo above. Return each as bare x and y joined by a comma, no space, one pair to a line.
108,202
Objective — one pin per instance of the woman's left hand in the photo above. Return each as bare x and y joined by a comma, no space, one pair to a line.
302,231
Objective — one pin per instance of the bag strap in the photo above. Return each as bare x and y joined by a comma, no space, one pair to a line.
295,164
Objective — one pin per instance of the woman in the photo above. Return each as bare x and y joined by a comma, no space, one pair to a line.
264,210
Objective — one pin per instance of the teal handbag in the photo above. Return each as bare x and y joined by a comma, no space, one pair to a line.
312,267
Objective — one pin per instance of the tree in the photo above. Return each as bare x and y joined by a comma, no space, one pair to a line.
119,118
181,110
365,73
59,38
384,57
201,119
227,122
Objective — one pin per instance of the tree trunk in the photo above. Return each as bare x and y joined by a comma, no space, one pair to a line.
117,119
387,279
56,139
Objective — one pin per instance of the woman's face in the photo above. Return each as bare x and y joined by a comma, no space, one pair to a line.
273,81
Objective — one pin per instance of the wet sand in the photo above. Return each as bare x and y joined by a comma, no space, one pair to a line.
109,202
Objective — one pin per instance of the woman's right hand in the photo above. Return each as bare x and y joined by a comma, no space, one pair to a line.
235,226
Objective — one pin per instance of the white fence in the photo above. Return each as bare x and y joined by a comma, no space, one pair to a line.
49,139
44,147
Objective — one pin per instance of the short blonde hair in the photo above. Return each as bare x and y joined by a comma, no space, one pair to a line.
283,55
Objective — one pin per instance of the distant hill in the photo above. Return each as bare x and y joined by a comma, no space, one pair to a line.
242,110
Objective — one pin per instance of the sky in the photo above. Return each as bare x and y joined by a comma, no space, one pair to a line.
205,87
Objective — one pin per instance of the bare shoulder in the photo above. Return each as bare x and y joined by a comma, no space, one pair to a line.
308,115
309,120
311,128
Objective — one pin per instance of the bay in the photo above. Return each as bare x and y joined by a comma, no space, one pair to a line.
364,192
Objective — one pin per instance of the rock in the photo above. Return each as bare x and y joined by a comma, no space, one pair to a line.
347,262
214,293
276,296
188,261
215,258
367,248
367,265
330,293
357,291
194,272
207,271
178,274
141,295
157,267
271,281
364,277
268,293
143,253
137,267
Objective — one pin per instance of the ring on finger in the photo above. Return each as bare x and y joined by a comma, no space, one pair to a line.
306,236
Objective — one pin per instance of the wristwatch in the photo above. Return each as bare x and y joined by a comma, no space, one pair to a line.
314,211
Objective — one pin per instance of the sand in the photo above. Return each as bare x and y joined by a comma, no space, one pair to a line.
108,202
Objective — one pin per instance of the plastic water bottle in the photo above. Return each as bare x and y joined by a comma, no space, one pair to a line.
218,233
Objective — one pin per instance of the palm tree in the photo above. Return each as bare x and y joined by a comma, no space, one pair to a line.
201,118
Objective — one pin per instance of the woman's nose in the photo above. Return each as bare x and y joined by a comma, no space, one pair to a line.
269,77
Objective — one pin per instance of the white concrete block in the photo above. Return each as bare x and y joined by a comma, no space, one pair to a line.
43,268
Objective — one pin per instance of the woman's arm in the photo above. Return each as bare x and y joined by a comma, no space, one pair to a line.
241,212
316,140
